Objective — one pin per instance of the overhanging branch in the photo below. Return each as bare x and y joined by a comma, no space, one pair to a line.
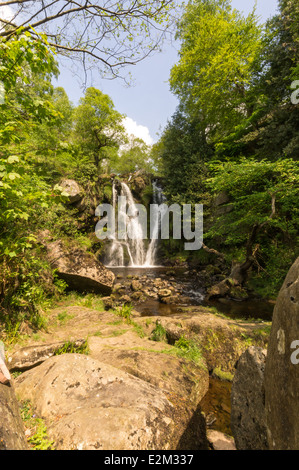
114,34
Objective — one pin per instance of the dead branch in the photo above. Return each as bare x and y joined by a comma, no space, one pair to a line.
212,251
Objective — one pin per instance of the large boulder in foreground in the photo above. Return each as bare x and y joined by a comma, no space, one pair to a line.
248,419
12,434
282,367
81,270
154,362
89,405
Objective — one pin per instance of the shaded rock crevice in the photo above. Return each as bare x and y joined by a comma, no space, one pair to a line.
12,433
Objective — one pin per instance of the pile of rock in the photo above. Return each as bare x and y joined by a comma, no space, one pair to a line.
135,289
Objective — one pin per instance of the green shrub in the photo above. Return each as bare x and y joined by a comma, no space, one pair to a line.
125,311
188,349
38,439
159,333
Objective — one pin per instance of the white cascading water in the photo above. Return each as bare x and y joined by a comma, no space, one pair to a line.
158,198
135,248
116,250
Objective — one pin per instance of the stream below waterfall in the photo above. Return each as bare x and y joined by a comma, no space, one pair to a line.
129,255
194,294
216,404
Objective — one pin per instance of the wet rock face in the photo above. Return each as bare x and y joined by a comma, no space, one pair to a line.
12,435
139,182
282,367
248,419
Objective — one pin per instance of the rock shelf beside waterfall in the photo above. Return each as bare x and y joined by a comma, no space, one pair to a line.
80,269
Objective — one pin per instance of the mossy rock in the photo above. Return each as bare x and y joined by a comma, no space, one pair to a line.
238,293
107,192
147,196
223,375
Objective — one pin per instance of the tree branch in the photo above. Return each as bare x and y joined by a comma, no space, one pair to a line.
114,34
212,251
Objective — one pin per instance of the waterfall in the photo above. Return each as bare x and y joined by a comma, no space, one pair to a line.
116,250
135,246
158,198
133,250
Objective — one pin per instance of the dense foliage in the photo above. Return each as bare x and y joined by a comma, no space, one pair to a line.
24,196
44,139
235,133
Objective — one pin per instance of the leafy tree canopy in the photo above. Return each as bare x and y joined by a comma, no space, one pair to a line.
217,58
106,34
98,126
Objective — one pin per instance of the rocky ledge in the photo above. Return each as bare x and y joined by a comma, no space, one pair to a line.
138,382
79,269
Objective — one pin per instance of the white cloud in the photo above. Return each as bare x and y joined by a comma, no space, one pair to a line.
6,13
142,132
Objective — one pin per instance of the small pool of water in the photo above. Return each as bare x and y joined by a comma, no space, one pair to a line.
154,308
216,406
236,310
247,309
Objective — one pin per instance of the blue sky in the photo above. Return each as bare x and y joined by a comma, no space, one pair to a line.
149,103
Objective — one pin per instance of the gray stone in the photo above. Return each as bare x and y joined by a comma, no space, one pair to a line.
221,198
220,441
72,188
89,405
248,419
164,293
136,285
282,367
12,434
125,299
108,303
148,360
81,270
31,356
219,290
